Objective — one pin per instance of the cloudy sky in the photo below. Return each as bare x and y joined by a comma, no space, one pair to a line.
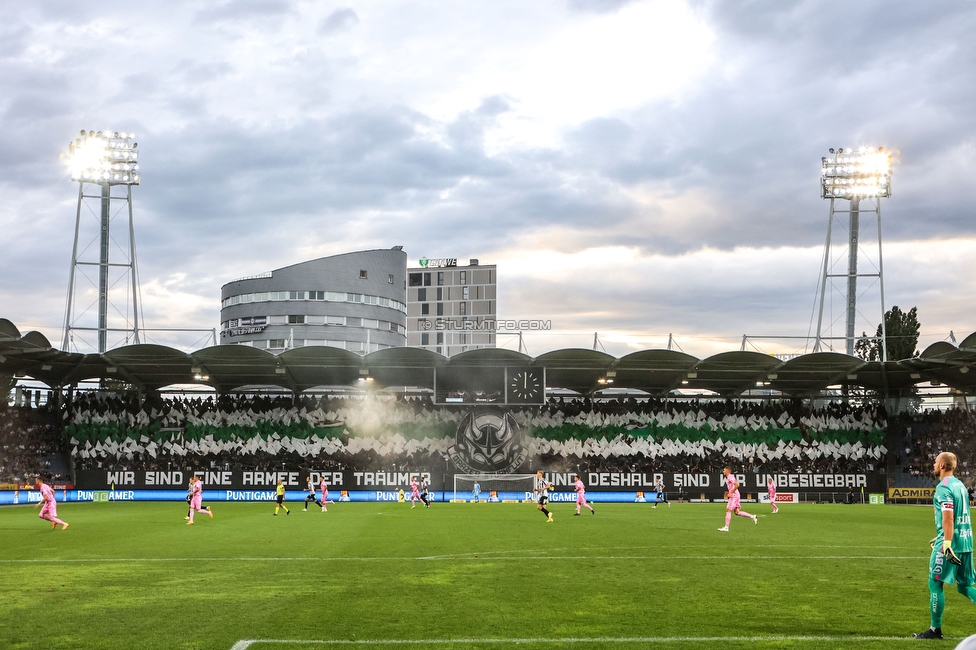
633,168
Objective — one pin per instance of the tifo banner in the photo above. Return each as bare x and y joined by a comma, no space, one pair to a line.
911,493
390,478
475,440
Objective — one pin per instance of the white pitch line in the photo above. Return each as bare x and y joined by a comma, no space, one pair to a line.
470,559
247,643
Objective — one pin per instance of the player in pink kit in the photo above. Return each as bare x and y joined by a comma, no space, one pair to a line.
49,511
324,489
196,500
581,497
771,488
734,506
414,492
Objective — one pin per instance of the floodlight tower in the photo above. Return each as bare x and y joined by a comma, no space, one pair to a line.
109,161
854,176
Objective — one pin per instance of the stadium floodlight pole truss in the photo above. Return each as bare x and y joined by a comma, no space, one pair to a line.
109,161
853,176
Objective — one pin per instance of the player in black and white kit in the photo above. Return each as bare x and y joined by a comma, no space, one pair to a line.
311,494
661,496
541,490
189,498
424,491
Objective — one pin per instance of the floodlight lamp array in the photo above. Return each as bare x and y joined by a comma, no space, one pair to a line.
105,157
851,174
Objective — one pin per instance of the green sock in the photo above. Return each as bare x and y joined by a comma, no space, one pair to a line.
968,591
936,602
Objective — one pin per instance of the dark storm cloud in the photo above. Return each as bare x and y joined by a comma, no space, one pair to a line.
236,183
597,6
244,10
804,81
339,20
13,40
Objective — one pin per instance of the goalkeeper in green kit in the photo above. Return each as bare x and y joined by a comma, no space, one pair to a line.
952,548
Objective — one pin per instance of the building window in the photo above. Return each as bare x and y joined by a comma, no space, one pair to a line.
464,277
438,349
463,338
440,278
426,279
464,293
389,278
371,323
440,309
421,295
440,293
362,274
296,295
296,320
462,308
424,338
335,320
276,344
416,279
425,309
440,338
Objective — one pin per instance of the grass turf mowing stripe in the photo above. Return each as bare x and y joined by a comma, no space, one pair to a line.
454,558
248,643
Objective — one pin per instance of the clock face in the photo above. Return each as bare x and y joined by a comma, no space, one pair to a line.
525,385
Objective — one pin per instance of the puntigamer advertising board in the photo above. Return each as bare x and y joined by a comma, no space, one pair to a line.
392,478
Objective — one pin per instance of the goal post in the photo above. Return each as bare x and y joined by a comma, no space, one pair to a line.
505,487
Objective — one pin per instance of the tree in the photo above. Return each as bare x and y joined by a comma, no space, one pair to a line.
901,336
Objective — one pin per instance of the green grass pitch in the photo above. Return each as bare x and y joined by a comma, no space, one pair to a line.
467,576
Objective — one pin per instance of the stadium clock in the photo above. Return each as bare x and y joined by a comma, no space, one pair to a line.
525,386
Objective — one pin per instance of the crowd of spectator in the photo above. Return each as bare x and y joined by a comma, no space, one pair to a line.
926,434
29,445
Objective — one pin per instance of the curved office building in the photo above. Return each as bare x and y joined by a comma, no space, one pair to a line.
355,301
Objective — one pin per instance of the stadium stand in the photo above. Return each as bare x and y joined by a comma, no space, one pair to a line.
925,434
611,435
29,444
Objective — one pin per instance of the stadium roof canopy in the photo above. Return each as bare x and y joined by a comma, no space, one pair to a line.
657,372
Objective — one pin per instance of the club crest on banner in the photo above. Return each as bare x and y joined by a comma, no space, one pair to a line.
488,441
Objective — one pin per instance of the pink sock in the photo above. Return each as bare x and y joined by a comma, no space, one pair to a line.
728,518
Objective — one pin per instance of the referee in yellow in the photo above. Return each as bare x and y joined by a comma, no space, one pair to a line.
280,498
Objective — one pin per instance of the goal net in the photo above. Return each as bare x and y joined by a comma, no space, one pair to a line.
493,487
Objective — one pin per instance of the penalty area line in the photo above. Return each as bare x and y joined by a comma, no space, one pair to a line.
245,644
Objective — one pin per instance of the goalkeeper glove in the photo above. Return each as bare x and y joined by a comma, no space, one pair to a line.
949,553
